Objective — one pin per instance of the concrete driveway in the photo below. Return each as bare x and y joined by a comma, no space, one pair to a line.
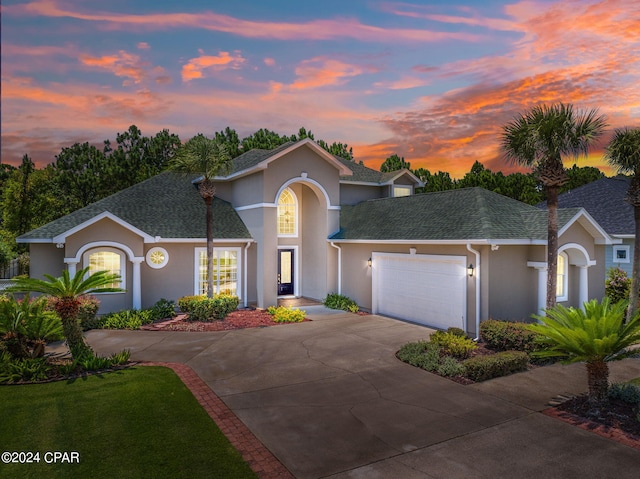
329,399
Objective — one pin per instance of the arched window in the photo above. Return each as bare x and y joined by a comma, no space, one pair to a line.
107,259
562,293
287,213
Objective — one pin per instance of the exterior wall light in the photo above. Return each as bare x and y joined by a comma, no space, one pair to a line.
369,262
470,269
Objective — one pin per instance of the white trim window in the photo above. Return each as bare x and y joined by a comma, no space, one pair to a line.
402,190
287,213
107,259
621,254
562,290
226,271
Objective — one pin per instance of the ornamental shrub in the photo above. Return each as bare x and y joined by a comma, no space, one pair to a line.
163,309
422,354
187,303
459,347
626,392
212,309
481,368
509,336
286,315
617,285
127,319
449,366
340,301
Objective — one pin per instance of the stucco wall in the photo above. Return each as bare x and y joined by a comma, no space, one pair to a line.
513,287
104,230
354,194
45,259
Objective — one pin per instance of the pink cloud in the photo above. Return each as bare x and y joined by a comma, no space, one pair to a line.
322,71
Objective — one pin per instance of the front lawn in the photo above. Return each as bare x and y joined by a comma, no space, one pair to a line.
138,422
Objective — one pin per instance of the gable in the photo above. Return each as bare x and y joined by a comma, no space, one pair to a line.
257,159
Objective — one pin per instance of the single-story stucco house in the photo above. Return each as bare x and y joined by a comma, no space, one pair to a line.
297,221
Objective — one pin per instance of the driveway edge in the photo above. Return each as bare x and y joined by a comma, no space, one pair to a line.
259,458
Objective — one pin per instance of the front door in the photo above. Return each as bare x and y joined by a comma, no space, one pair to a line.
285,272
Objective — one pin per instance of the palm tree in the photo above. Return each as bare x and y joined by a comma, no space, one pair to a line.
209,158
67,292
623,153
598,334
539,139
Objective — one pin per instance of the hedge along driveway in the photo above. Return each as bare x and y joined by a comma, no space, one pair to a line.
139,422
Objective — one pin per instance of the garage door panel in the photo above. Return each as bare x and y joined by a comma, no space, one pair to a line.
427,289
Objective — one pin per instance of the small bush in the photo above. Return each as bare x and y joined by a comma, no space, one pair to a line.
340,301
27,369
422,354
94,363
286,315
617,285
163,309
88,312
127,319
459,347
187,303
481,368
212,309
449,366
625,392
457,332
509,336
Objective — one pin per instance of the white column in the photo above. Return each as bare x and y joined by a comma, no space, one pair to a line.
542,289
542,284
584,285
71,267
136,290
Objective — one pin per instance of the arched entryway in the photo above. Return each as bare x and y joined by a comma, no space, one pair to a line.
302,249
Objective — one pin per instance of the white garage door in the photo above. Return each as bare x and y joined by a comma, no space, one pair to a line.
426,289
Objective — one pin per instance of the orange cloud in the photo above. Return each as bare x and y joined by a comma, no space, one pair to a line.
195,67
122,64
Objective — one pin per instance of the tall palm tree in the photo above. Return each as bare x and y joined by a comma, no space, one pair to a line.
623,153
209,158
597,335
539,139
67,292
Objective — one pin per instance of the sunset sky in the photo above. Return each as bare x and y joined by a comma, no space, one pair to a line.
433,81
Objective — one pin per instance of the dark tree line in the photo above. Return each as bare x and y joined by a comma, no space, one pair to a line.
524,187
83,173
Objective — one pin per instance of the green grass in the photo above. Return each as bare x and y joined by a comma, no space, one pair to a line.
635,382
140,422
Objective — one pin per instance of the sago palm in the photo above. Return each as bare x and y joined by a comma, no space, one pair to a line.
540,139
67,292
209,158
623,153
596,335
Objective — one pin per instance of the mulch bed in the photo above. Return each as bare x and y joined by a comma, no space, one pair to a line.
244,318
617,415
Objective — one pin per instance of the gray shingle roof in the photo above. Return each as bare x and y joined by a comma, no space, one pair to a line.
604,200
256,156
167,205
465,214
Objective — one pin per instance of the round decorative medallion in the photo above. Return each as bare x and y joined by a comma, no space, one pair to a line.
157,257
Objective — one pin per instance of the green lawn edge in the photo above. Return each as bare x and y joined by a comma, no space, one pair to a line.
138,422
